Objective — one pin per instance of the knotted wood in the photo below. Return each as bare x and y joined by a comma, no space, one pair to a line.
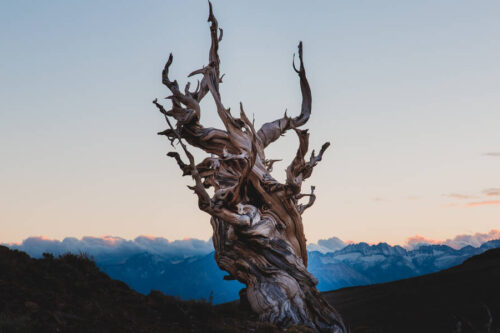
258,233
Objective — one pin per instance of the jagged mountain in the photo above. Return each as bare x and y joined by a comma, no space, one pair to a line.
356,264
192,278
361,264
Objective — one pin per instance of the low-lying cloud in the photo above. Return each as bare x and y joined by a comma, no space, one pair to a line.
457,242
331,244
334,244
486,193
460,196
495,153
483,203
109,246
492,192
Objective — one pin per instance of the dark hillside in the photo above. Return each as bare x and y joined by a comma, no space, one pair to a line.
70,294
458,299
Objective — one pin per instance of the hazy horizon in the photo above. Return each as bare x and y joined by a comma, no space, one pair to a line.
109,244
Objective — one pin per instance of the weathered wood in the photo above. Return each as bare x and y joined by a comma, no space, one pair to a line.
257,224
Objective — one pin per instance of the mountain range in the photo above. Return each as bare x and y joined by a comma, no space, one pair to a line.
198,277
362,264
187,268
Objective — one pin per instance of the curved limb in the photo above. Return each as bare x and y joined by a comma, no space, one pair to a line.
270,132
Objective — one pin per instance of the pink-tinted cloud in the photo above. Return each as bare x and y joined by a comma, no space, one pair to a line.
489,192
417,240
459,196
492,192
110,246
483,203
457,242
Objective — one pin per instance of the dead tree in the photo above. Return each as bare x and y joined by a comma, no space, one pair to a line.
257,221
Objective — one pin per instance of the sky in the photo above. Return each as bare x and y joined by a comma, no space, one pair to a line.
408,92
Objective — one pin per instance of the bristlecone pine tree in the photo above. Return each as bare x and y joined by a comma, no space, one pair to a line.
257,224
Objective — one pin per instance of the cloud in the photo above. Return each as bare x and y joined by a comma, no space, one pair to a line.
489,192
417,241
492,192
495,153
457,242
109,246
459,196
483,203
331,244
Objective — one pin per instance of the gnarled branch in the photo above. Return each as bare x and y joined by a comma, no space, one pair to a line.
312,198
271,131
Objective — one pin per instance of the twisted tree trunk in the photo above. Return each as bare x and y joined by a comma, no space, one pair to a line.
257,224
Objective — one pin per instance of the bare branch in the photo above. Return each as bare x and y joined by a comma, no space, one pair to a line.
271,131
213,56
294,175
204,201
269,164
308,168
186,168
165,113
177,96
312,198
299,170
305,89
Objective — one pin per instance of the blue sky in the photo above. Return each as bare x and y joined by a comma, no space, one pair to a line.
408,93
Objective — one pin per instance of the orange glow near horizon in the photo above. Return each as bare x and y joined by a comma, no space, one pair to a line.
483,203
408,243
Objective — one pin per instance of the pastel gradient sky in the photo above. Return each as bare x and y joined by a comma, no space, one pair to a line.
408,92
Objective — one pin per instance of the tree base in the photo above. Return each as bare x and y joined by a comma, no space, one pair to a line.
284,303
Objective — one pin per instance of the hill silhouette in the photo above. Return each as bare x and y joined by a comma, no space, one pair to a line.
70,294
464,298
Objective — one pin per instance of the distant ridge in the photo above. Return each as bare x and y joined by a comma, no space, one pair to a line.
197,276
354,265
360,264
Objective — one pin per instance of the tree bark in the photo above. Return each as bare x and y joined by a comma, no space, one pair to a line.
258,233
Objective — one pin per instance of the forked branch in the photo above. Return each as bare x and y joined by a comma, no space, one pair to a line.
299,170
312,198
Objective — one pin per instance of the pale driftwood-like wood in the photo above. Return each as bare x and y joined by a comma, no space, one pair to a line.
257,224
